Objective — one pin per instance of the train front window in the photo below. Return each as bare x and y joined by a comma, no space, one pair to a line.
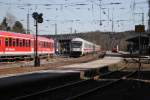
76,44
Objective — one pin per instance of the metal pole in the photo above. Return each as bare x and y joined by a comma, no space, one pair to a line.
112,21
148,15
28,30
56,40
55,29
142,18
37,60
100,4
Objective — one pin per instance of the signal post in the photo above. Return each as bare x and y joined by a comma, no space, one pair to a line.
38,19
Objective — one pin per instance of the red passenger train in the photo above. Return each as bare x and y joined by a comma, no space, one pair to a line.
23,45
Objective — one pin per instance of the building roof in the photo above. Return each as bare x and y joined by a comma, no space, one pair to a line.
143,39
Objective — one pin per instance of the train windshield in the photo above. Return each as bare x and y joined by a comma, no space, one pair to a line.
76,44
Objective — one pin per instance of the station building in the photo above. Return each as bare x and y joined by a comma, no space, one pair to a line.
139,44
62,43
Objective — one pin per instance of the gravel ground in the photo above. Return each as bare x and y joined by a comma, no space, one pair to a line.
52,63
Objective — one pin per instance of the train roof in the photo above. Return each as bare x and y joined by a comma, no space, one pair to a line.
13,34
82,40
25,36
78,39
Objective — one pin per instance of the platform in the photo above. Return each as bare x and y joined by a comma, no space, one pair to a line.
76,68
93,64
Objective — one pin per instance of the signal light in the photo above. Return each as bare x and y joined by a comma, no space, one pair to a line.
38,17
35,15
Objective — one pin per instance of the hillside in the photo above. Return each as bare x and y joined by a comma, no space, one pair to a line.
106,39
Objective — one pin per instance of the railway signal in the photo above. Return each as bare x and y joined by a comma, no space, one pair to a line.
39,19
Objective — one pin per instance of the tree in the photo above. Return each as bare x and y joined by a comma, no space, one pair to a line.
4,25
18,27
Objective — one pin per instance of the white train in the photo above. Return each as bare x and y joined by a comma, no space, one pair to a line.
81,47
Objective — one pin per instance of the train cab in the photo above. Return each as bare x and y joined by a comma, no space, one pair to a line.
76,48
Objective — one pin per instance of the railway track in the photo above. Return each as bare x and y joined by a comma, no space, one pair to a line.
101,87
77,90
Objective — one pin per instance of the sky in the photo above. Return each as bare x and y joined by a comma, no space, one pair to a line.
72,16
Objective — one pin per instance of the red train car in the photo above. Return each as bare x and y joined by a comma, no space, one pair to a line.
17,44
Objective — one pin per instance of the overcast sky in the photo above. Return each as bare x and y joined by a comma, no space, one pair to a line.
78,15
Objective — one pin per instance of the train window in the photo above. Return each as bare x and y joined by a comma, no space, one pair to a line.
26,43
6,42
20,42
44,45
29,43
10,42
17,42
0,40
14,42
41,44
76,44
23,42
48,45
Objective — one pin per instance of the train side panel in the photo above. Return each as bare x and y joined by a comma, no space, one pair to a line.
16,44
85,47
